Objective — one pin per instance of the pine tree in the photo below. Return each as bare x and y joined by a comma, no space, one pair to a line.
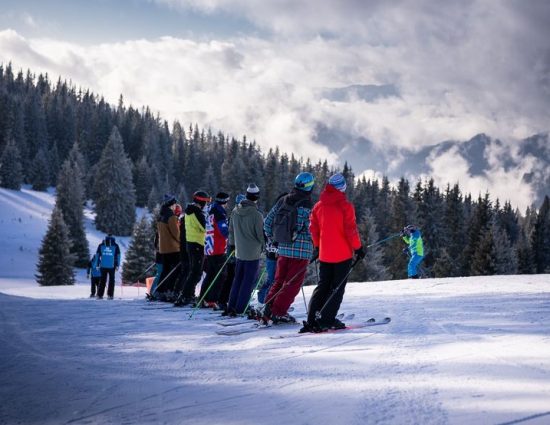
401,214
11,173
114,189
541,238
506,261
142,181
70,200
140,253
479,225
372,268
483,259
54,257
39,175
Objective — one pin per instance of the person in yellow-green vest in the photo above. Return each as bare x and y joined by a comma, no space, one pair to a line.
195,231
415,249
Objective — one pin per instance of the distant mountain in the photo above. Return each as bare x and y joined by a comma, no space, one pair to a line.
365,92
395,162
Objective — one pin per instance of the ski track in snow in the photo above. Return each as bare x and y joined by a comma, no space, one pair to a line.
473,350
458,351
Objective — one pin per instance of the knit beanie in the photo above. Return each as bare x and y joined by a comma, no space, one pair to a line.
338,181
222,198
252,192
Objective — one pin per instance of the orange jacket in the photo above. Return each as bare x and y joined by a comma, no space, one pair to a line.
333,227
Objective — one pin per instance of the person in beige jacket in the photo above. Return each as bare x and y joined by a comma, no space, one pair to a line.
169,248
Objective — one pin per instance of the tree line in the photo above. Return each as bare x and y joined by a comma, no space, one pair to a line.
120,157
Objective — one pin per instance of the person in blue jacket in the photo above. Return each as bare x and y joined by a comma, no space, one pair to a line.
109,261
95,272
415,249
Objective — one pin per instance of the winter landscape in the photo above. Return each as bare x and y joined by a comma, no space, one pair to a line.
458,351
214,148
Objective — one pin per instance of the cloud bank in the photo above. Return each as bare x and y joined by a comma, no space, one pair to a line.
456,69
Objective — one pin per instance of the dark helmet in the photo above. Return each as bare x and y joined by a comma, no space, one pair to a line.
409,229
304,181
201,197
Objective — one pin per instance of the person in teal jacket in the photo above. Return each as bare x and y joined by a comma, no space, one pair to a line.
415,249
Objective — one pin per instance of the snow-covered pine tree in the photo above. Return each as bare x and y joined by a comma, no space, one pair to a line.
142,182
541,238
54,257
372,268
70,200
141,252
114,189
55,163
506,261
39,174
11,172
478,225
483,260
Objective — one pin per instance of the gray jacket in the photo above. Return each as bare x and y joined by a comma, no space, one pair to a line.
246,231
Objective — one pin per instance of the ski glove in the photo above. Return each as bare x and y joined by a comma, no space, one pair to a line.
314,255
360,252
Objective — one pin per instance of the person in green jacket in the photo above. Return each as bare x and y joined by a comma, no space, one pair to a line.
246,233
415,249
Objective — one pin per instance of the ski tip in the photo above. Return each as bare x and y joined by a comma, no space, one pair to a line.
387,319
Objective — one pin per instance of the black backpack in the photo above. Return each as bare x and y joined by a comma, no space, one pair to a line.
285,224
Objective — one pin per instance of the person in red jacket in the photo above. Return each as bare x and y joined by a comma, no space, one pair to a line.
335,239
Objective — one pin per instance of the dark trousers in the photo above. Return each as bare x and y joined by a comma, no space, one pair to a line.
95,284
225,289
184,270
246,276
330,276
168,276
214,264
289,277
103,281
195,253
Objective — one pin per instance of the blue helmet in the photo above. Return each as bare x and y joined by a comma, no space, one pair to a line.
304,181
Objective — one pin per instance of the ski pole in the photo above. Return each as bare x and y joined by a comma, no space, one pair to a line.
167,276
305,303
383,240
145,272
252,294
211,284
319,313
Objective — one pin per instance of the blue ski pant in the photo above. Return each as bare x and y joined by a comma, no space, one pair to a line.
270,267
414,262
246,275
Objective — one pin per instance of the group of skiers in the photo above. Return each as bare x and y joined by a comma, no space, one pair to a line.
204,239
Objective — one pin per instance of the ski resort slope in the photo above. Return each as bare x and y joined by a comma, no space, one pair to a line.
457,351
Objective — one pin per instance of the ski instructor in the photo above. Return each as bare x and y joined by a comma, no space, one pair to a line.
335,239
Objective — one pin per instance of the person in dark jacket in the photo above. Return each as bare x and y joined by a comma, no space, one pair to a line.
108,252
335,239
215,245
247,235
294,255
195,230
94,271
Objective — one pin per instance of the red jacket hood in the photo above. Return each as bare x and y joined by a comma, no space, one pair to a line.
331,195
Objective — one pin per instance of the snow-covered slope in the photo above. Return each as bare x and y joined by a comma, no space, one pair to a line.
458,351
24,219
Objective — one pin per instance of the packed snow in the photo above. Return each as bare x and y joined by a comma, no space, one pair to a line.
458,351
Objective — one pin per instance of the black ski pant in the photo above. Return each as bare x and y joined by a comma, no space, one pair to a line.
168,276
330,276
214,264
225,289
103,281
95,284
184,270
195,252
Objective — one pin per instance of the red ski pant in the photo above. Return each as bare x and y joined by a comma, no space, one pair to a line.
289,277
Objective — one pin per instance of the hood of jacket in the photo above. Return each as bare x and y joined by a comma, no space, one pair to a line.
165,213
246,208
193,209
331,195
301,196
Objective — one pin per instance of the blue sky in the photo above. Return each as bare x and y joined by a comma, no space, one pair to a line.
321,79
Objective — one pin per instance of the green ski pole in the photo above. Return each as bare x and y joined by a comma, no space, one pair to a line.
210,286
